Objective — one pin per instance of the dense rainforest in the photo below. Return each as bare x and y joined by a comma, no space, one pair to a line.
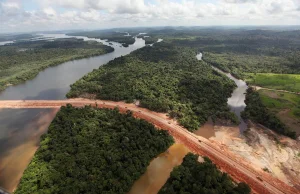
110,35
163,78
240,51
90,150
23,60
258,112
247,54
193,177
15,37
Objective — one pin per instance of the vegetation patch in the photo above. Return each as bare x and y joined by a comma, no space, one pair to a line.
284,105
257,110
110,35
289,82
164,78
88,150
23,60
195,177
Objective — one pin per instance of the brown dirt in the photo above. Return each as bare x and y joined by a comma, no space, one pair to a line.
236,166
291,122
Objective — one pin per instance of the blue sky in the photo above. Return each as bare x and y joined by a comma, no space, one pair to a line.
32,15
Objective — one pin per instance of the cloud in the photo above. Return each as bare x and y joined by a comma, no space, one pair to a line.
9,8
240,1
64,14
275,8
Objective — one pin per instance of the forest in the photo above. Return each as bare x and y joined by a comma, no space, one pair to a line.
110,35
289,82
240,51
164,78
15,37
90,150
193,177
258,112
23,60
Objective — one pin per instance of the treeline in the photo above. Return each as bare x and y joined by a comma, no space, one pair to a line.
240,64
13,37
258,112
110,35
23,60
240,50
194,177
163,78
88,150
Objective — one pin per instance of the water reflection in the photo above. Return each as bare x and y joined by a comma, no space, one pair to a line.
20,130
159,170
237,100
207,130
19,140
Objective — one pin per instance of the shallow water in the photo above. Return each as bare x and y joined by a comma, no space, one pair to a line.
236,102
159,170
20,129
207,130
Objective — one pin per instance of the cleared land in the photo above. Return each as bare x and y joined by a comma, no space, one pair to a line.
284,105
22,61
268,152
239,169
288,82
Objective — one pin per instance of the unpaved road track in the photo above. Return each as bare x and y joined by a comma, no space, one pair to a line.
237,169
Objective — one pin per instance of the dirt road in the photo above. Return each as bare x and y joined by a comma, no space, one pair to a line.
260,183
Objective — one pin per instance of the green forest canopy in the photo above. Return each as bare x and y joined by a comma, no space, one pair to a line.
23,60
88,150
164,78
240,51
193,177
110,35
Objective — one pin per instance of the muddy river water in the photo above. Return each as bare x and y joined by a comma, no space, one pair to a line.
20,130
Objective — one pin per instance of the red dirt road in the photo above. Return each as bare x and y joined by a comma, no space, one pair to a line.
238,169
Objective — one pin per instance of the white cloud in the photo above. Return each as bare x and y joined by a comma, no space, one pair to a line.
62,14
240,1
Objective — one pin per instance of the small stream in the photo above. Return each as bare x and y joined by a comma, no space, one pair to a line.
236,102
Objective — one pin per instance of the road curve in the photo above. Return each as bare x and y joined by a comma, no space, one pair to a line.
237,169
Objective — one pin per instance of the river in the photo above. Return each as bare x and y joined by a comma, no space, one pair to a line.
236,102
21,129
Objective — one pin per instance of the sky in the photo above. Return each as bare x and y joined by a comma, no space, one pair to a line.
44,15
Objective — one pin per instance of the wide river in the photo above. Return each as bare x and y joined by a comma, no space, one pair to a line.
20,130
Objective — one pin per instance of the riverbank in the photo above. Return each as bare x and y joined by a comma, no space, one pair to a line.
21,61
17,129
238,168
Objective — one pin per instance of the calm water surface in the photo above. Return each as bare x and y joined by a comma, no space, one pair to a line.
20,130
236,102
159,170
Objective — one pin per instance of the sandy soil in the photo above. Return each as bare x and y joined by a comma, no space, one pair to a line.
263,149
239,168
